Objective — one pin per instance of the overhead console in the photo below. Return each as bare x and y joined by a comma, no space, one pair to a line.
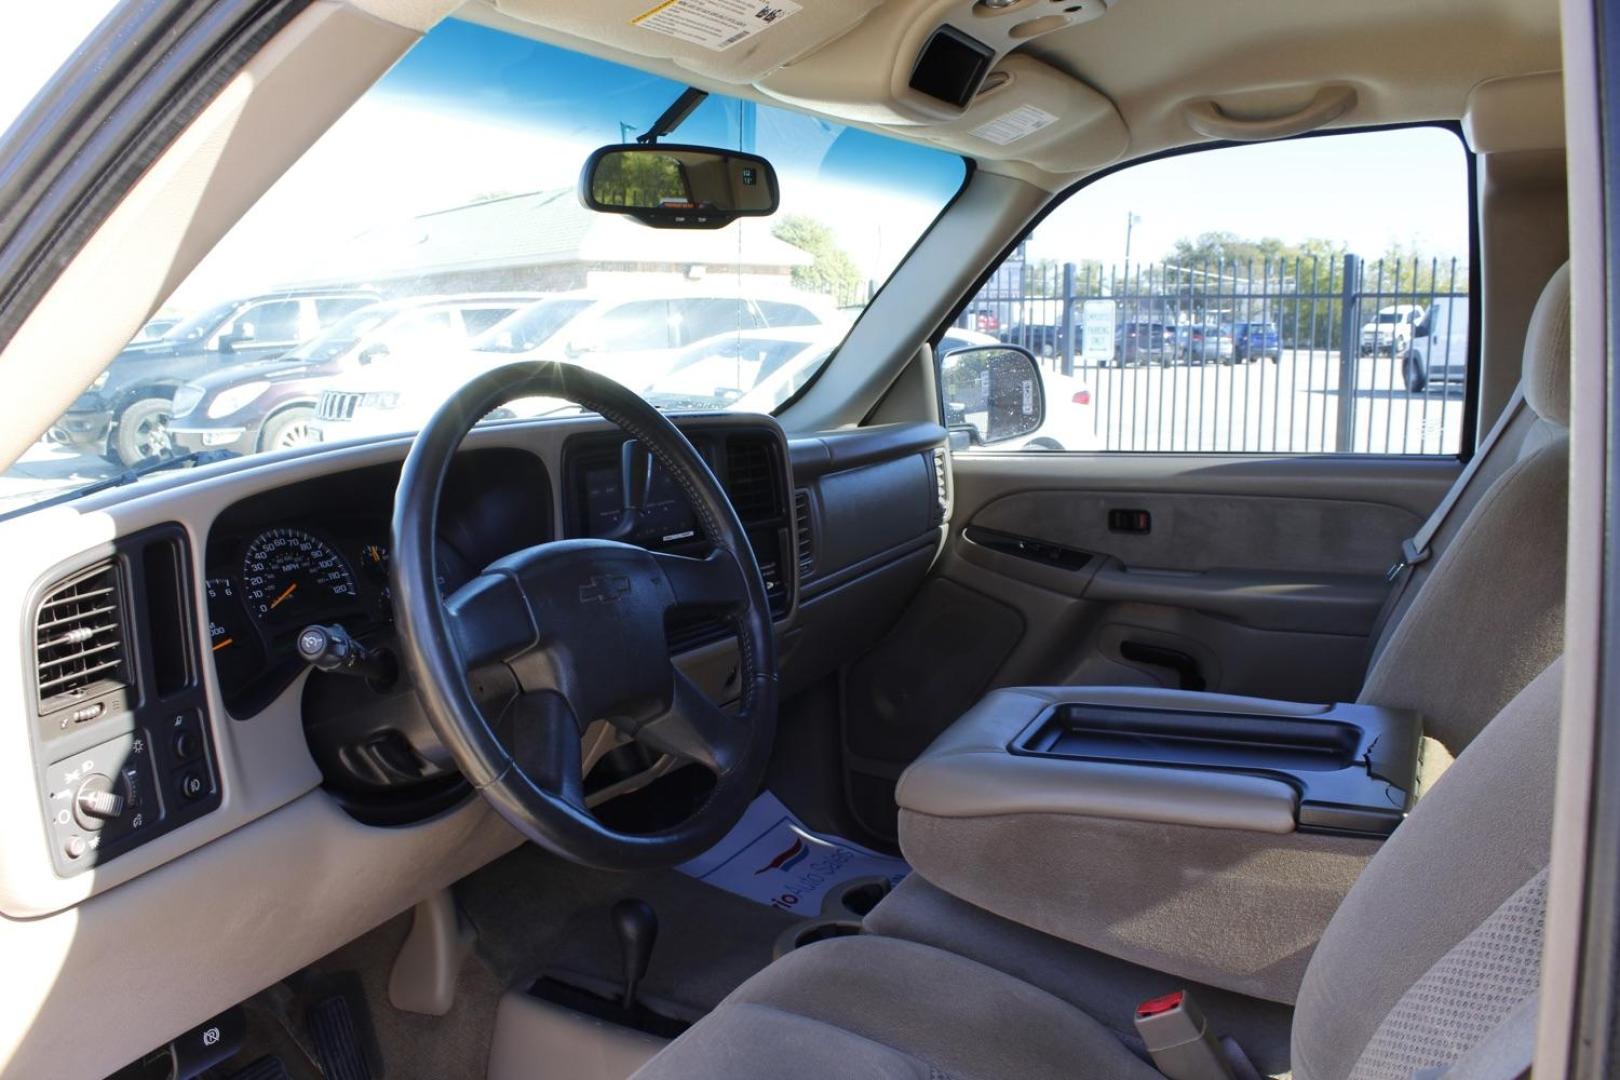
946,71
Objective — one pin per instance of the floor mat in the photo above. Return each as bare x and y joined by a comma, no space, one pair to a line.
770,857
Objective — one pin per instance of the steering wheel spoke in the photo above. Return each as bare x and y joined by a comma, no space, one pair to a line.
715,583
490,620
695,729
545,745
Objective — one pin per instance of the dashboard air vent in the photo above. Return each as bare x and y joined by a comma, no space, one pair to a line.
805,529
751,479
79,644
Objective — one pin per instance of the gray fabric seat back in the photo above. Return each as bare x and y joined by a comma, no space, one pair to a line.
1440,937
1486,612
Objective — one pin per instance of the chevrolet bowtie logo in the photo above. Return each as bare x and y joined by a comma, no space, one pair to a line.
604,589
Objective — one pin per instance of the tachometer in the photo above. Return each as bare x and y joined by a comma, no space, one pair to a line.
290,576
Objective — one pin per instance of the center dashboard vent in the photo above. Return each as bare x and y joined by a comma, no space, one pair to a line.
79,640
751,479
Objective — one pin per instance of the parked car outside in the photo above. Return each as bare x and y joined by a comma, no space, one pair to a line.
1256,340
632,339
1144,342
1204,343
125,413
1439,351
1045,340
1390,331
268,404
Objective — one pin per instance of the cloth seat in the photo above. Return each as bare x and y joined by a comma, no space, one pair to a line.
870,1007
1436,944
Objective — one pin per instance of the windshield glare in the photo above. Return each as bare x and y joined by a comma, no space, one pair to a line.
481,135
529,328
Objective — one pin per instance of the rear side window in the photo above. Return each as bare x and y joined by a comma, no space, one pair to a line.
1300,297
778,313
476,320
329,311
644,324
276,321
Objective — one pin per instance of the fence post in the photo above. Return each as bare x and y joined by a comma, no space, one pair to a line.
1349,347
1068,318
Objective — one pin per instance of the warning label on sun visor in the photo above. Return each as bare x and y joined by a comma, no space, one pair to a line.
715,24
1012,126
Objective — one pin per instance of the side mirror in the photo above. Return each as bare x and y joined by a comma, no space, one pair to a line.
373,354
993,393
678,187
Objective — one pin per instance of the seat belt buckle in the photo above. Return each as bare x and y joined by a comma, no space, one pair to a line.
1179,1040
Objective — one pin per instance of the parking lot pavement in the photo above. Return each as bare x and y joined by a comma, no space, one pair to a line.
47,468
1288,406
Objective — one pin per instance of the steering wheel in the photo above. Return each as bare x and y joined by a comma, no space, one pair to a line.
579,624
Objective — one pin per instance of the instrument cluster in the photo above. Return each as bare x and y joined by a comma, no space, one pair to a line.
265,587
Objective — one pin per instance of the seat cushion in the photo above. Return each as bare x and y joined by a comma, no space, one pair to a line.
873,1007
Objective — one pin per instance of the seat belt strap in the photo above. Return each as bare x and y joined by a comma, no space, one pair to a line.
1415,548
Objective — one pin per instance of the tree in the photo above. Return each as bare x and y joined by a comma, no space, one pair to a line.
831,270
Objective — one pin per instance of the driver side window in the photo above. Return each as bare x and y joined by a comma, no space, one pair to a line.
274,322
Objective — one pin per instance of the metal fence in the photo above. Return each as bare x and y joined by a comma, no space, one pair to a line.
1331,354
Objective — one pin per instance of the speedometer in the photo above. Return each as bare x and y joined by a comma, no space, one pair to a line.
290,576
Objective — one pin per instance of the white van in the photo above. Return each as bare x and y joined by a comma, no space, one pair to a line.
1439,349
1391,330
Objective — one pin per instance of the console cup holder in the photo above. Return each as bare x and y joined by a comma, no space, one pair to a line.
842,910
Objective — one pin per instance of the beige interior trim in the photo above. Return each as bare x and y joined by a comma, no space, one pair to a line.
1328,104
89,990
1516,113
1587,529
261,122
533,1037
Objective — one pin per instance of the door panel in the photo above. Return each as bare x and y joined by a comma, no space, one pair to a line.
1258,576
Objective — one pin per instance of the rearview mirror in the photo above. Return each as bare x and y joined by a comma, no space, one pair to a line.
678,187
992,393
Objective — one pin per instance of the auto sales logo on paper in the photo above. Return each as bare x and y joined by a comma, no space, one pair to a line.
791,856
809,867
769,14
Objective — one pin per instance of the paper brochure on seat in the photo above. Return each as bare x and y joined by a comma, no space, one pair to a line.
770,857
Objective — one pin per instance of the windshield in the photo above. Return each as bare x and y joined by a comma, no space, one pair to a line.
456,178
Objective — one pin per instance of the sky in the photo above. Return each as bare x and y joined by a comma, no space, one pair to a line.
472,111
1367,191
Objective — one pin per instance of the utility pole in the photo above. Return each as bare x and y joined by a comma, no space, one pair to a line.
1131,221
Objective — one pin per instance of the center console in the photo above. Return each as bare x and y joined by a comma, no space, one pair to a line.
1199,834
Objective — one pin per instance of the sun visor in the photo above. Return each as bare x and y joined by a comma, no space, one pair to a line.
731,41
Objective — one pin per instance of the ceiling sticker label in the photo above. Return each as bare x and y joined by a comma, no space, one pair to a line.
1015,125
715,24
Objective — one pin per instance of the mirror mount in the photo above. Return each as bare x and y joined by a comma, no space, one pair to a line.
674,116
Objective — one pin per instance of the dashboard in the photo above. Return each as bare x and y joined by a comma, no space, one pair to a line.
154,650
